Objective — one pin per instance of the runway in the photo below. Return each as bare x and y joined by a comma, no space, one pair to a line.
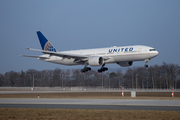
117,104
111,107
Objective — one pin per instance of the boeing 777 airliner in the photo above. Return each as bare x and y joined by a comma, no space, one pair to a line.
123,55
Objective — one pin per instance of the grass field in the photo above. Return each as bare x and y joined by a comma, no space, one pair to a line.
96,95
82,114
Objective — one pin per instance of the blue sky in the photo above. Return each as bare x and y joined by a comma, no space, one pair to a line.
80,24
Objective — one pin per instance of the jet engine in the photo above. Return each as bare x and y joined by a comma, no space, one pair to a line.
95,61
125,64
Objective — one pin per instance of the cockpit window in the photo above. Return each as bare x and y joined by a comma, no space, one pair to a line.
152,49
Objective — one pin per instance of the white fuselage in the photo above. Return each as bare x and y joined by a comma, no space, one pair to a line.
113,54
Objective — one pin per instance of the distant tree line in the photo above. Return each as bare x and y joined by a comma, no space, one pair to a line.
163,76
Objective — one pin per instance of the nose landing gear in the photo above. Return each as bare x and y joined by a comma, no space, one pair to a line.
146,65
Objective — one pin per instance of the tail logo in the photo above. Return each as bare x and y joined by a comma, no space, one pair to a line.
49,47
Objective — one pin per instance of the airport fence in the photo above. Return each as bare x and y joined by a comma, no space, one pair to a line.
82,88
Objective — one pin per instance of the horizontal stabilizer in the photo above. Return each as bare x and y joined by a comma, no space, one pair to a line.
33,49
42,57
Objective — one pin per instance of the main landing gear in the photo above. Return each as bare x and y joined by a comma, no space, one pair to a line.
146,65
103,69
85,69
88,69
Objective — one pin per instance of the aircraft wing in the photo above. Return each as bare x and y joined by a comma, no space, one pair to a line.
77,57
60,54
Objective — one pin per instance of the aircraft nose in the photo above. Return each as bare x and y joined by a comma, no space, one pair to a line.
154,54
157,53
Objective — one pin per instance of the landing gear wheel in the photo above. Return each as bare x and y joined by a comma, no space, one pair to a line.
146,66
99,71
85,69
103,69
88,68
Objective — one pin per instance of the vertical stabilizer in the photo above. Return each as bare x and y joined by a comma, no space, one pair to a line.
45,44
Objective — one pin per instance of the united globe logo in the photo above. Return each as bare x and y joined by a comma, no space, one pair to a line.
49,47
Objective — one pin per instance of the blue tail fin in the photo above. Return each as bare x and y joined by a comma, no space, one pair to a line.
45,44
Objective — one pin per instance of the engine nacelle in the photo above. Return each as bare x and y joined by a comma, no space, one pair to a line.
95,61
125,64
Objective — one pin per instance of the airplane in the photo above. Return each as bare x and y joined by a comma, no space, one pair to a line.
123,55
